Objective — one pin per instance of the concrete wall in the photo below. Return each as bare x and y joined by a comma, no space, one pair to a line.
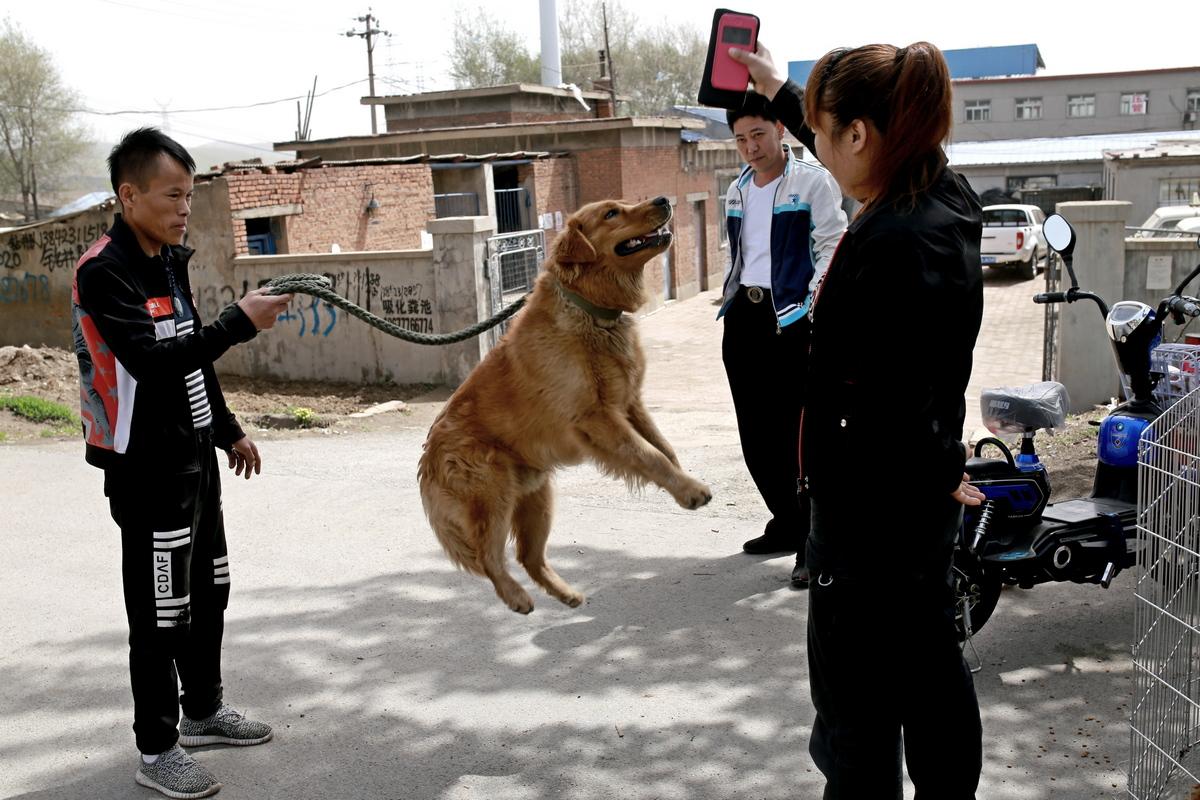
474,178
37,264
1084,361
436,290
418,111
1141,283
429,291
1167,89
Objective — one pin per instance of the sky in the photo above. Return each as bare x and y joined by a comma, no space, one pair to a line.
151,56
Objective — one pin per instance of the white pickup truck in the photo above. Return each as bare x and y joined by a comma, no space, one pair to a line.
1012,237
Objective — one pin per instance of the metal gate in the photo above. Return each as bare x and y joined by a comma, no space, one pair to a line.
1165,721
513,262
1054,273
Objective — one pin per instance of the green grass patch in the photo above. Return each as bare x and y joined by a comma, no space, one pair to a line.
305,417
35,409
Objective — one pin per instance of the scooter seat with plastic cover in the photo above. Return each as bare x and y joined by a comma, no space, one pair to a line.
1022,408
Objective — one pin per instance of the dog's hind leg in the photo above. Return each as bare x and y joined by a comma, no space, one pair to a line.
491,527
531,528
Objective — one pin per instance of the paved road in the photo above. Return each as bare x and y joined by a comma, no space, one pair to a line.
390,675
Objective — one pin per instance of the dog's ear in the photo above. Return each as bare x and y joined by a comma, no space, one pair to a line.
572,249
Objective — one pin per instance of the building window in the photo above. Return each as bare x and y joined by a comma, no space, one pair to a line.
979,110
1081,105
1177,191
1018,182
1193,100
1135,104
1029,108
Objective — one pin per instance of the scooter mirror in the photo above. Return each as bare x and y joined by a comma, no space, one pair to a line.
1059,234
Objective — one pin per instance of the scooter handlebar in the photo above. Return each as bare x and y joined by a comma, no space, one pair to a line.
1186,306
1050,297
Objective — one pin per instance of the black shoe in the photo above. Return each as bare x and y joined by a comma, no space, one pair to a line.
762,545
800,576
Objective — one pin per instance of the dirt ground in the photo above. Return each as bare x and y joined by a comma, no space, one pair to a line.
53,374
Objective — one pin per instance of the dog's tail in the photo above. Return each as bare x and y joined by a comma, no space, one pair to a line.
440,507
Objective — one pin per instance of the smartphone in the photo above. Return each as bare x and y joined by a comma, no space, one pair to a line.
733,30
725,81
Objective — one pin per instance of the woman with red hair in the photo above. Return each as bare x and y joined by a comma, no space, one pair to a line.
894,324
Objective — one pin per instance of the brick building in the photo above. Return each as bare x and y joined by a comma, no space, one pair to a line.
308,206
597,156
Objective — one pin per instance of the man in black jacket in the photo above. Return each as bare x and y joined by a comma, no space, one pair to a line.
153,414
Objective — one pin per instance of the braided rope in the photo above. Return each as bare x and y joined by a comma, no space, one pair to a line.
320,286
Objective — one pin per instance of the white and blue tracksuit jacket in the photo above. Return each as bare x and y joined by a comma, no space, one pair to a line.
807,223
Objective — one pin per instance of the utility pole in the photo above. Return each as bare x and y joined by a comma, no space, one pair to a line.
612,68
369,33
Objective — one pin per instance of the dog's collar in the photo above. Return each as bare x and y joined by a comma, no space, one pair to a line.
604,314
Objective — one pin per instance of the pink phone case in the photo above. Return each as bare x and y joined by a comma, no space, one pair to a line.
734,30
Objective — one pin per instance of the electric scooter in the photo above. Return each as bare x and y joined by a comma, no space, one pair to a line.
1017,537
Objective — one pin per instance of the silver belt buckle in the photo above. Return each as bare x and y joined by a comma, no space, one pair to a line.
755,293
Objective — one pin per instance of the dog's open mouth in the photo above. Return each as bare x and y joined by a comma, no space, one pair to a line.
659,238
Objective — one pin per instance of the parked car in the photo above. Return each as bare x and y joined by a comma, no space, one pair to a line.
1012,237
1165,221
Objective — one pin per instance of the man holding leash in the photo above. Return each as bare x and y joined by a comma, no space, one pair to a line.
153,414
784,219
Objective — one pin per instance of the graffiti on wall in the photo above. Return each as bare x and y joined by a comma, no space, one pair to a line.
407,307
403,305
211,299
26,289
52,247
359,286
312,316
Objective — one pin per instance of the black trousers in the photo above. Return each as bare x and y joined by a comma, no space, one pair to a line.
175,574
888,678
765,366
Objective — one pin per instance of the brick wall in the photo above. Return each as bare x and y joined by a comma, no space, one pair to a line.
555,184
636,174
600,173
335,199
649,172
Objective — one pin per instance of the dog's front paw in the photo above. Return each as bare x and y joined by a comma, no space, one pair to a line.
519,601
694,495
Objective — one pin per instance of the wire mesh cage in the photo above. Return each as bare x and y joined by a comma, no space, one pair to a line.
1165,720
1179,365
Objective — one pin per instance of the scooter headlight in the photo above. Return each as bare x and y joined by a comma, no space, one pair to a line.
1125,317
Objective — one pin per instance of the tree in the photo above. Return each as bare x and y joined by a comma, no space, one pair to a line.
663,70
485,53
38,139
656,68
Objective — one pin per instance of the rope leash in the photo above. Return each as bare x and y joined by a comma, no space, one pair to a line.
320,286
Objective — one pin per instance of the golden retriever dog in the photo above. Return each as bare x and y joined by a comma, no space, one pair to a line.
563,385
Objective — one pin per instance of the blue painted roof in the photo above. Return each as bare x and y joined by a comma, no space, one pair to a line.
971,62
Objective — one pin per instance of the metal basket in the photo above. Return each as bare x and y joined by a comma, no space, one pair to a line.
1164,759
1179,365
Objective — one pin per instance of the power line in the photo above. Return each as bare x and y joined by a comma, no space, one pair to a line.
188,110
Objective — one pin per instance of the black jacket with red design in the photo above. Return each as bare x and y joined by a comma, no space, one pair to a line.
132,365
